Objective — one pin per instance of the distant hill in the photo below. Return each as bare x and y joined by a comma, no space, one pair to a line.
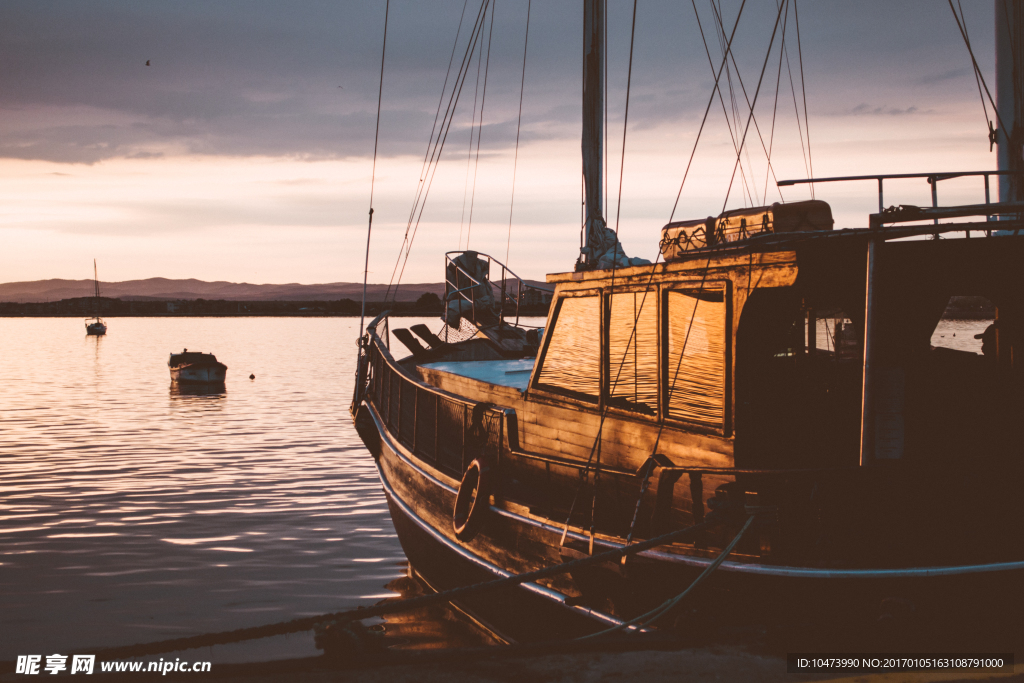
159,288
163,289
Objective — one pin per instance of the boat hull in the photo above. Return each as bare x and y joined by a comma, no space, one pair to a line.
841,603
214,373
419,505
96,329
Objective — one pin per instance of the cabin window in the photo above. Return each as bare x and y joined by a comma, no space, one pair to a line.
959,401
572,363
696,362
967,325
633,352
830,334
798,382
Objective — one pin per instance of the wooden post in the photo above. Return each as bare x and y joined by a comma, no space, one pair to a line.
593,119
1009,16
812,332
867,451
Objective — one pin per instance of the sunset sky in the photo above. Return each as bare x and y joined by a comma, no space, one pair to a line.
243,151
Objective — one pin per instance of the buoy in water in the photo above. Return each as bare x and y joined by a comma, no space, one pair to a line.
252,376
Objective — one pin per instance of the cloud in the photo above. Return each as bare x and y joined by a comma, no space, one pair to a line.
864,109
245,78
948,75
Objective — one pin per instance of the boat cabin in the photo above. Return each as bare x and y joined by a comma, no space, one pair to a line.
810,369
764,347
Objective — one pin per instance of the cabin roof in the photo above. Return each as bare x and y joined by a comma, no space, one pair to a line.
782,247
712,259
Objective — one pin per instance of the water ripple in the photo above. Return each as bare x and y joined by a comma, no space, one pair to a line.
133,510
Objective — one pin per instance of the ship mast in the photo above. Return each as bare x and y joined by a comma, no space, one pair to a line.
96,281
593,126
1010,96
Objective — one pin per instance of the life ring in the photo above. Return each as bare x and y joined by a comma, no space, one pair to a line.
472,501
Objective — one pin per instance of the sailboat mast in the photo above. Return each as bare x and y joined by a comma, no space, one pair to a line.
1010,96
593,123
96,280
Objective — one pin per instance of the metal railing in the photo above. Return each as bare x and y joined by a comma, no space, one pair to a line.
443,431
496,301
932,178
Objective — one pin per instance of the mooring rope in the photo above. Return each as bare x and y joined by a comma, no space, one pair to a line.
648,617
308,623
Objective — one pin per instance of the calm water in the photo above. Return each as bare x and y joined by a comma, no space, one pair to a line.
130,512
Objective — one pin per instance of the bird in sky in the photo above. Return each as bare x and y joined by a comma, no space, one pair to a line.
147,62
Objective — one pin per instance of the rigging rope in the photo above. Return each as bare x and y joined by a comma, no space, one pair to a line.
706,110
625,120
373,173
757,92
480,129
977,69
775,108
977,81
719,32
796,111
767,150
433,173
433,128
716,10
803,90
436,143
440,100
519,123
469,151
438,147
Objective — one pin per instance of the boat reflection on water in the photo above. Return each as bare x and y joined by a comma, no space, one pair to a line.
432,627
211,390
377,639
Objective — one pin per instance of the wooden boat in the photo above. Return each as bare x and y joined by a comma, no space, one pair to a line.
876,466
193,367
97,327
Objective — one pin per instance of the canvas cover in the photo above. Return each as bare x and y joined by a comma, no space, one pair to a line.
680,237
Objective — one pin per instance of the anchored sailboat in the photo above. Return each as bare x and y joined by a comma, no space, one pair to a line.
97,327
768,367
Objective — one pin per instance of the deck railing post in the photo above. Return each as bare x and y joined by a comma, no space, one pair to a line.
386,384
988,233
867,422
415,419
465,430
812,333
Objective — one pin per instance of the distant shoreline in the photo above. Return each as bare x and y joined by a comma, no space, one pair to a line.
429,305
393,314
